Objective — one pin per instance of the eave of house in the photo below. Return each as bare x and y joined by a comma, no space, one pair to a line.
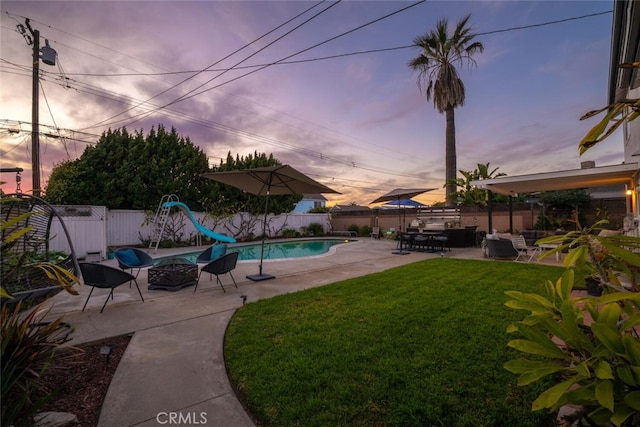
562,180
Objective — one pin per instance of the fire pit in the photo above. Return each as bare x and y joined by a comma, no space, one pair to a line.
173,274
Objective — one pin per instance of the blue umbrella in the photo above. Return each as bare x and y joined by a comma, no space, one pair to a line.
406,203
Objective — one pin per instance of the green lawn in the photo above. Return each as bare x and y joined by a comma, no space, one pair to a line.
419,345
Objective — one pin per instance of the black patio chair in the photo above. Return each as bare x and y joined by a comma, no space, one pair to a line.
211,253
132,258
220,266
105,277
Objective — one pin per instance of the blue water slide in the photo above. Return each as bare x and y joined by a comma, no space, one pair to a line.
199,226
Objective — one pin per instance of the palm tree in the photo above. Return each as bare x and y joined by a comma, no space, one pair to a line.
440,51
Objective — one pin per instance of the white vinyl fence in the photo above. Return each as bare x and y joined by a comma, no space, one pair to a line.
94,228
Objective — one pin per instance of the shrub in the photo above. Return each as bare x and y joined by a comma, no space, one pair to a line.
355,228
28,344
315,229
365,230
289,232
588,345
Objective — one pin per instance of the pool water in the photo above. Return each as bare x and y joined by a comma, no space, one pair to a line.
278,250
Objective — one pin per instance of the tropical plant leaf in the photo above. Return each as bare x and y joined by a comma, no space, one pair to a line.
603,371
564,285
531,298
583,369
609,337
630,323
621,414
633,399
609,315
604,394
632,347
551,396
626,375
541,349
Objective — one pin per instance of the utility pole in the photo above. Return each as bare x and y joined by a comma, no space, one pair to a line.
35,112
49,58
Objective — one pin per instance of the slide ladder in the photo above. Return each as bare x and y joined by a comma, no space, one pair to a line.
160,220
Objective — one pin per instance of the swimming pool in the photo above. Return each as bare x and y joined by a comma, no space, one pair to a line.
277,250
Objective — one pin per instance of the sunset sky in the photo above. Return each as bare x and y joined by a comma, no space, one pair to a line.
324,86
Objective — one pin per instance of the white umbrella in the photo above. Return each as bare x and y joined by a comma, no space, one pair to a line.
266,181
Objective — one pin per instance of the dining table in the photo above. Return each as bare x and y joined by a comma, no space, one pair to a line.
407,240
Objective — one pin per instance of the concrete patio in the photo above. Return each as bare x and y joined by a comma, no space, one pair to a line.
174,363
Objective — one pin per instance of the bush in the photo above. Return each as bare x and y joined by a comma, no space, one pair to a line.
596,368
354,228
365,230
315,229
28,344
289,232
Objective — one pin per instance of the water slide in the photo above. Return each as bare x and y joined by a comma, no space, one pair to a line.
199,226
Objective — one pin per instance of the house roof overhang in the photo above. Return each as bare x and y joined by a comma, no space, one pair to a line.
562,180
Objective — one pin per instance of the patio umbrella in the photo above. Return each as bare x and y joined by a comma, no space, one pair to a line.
397,195
405,203
267,181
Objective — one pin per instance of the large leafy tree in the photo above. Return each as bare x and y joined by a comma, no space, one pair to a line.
468,194
440,51
131,171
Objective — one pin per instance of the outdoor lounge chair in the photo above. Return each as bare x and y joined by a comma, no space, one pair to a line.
105,277
220,266
132,258
520,245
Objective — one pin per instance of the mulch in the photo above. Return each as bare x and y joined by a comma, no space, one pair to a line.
80,380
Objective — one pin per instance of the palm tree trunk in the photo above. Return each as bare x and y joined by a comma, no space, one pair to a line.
450,156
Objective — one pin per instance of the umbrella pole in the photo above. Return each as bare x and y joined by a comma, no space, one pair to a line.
400,251
258,277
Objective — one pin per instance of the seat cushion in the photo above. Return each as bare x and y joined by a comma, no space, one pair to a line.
217,251
128,256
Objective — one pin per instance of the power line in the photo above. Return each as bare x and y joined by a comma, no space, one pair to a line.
226,57
341,55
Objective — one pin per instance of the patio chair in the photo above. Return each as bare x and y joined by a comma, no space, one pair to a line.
211,253
132,258
375,232
520,245
501,248
220,266
105,277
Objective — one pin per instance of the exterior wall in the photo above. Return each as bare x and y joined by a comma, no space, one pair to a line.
524,216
